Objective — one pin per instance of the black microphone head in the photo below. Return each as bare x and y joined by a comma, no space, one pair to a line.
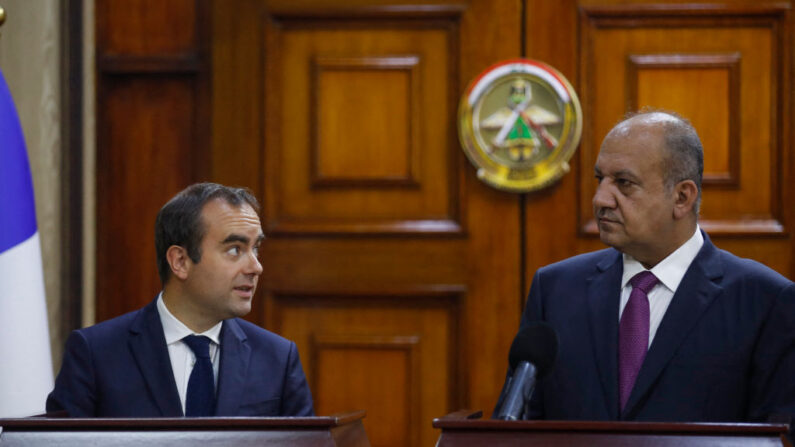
536,343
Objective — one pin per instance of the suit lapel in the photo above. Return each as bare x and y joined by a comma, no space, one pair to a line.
235,355
693,296
603,298
148,346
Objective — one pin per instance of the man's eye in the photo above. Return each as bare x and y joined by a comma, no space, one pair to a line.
234,251
623,182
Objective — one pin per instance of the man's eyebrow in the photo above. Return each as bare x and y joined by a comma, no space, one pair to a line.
625,173
240,238
621,173
236,238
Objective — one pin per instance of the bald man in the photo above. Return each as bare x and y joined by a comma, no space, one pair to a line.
662,326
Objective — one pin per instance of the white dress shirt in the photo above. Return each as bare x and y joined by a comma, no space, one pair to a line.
669,272
182,357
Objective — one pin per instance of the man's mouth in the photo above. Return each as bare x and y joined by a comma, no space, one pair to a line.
607,220
246,290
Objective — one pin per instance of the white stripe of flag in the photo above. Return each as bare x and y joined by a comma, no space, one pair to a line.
25,359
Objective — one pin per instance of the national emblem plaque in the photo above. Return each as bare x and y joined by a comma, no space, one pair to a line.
519,123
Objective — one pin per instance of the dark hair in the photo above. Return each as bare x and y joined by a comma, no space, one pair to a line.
684,159
179,221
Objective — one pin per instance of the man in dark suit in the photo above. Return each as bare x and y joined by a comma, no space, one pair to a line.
187,352
663,326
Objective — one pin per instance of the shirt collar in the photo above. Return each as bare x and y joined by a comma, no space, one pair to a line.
670,270
176,330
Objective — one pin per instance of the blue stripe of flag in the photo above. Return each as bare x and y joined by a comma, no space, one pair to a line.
17,209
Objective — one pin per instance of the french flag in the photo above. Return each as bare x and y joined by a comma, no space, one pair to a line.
25,360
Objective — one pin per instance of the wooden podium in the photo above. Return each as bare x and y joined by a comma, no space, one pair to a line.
464,428
337,430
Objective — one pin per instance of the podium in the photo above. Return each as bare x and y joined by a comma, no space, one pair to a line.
343,430
464,428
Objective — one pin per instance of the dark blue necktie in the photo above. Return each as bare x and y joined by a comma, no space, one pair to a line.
200,399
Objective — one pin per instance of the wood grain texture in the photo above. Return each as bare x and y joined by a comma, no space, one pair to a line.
363,361
464,428
146,138
152,120
147,27
384,89
355,129
335,430
391,351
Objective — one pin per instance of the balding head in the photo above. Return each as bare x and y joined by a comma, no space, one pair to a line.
684,156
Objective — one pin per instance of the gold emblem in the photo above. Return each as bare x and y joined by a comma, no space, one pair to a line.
519,123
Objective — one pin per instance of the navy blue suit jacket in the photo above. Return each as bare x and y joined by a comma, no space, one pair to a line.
724,351
121,368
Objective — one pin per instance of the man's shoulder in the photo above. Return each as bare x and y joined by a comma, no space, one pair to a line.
116,325
258,335
737,269
582,263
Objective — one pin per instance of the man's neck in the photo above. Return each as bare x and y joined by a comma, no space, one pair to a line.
680,236
183,310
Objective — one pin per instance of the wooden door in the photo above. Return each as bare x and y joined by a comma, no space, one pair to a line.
392,267
400,275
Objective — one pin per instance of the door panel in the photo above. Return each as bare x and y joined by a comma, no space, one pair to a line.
363,125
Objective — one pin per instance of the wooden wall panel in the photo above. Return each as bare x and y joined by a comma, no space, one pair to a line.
395,354
366,361
147,27
152,121
386,90
363,126
147,137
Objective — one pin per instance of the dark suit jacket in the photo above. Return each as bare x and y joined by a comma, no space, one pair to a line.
121,368
724,351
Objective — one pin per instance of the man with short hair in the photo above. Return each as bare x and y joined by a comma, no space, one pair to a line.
188,353
663,326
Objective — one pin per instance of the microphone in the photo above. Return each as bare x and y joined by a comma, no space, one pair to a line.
533,352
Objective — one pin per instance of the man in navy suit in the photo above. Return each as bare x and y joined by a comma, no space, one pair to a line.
141,364
716,333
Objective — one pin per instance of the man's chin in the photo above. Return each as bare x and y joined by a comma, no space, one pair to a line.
610,239
240,309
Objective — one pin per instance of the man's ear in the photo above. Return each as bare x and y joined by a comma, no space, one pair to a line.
685,197
179,261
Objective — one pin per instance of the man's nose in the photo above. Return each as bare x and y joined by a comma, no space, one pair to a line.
254,266
603,196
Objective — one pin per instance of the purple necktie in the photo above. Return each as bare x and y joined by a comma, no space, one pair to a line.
633,333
